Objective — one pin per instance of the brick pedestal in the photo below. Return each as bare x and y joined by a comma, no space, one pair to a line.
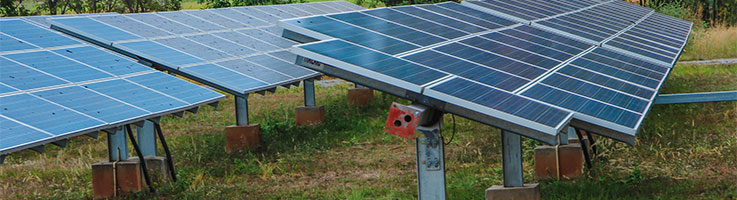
360,96
308,115
127,178
157,168
239,138
570,159
128,175
527,192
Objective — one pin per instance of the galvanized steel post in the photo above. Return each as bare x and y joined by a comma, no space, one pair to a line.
309,87
430,163
512,159
241,110
117,144
147,138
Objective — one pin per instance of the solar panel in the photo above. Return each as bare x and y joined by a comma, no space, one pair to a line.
76,88
232,49
616,25
470,59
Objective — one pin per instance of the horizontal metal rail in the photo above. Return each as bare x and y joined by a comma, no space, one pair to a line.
696,97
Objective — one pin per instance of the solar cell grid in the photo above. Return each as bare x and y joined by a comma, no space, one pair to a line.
227,35
59,77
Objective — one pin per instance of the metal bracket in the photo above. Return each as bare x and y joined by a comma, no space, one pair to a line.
430,162
61,143
432,148
93,134
404,120
39,148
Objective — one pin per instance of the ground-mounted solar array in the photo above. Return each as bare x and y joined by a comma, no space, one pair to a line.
615,25
239,50
53,87
501,67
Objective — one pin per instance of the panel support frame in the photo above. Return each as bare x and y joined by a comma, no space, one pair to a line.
430,160
309,92
146,138
512,159
241,110
117,144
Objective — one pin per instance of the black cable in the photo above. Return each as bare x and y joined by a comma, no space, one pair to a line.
454,129
141,159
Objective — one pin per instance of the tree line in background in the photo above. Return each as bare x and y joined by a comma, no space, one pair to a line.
703,12
706,12
56,7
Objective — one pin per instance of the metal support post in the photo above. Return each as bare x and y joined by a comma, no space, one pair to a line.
584,147
169,161
141,160
512,159
309,87
147,138
360,86
563,137
117,145
430,163
241,111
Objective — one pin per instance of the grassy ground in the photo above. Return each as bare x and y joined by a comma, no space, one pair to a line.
683,151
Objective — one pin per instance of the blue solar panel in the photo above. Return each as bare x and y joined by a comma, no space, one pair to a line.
8,43
415,22
16,134
58,66
92,104
33,34
46,115
226,36
76,89
556,61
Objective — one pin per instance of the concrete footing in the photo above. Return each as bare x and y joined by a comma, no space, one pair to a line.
309,115
360,96
127,176
569,161
239,138
527,192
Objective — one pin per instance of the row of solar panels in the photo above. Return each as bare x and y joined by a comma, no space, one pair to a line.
523,65
53,87
238,50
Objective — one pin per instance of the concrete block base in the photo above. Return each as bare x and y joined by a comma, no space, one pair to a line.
527,192
239,138
157,168
110,179
360,96
569,162
308,115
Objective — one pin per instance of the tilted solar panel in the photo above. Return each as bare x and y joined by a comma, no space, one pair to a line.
454,54
232,49
616,25
436,55
53,87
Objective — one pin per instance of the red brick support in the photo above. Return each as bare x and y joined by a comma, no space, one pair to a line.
309,115
239,138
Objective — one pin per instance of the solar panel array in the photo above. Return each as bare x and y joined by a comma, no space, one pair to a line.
618,25
500,66
239,50
53,87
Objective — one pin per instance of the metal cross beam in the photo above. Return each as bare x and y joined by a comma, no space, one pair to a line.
696,97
